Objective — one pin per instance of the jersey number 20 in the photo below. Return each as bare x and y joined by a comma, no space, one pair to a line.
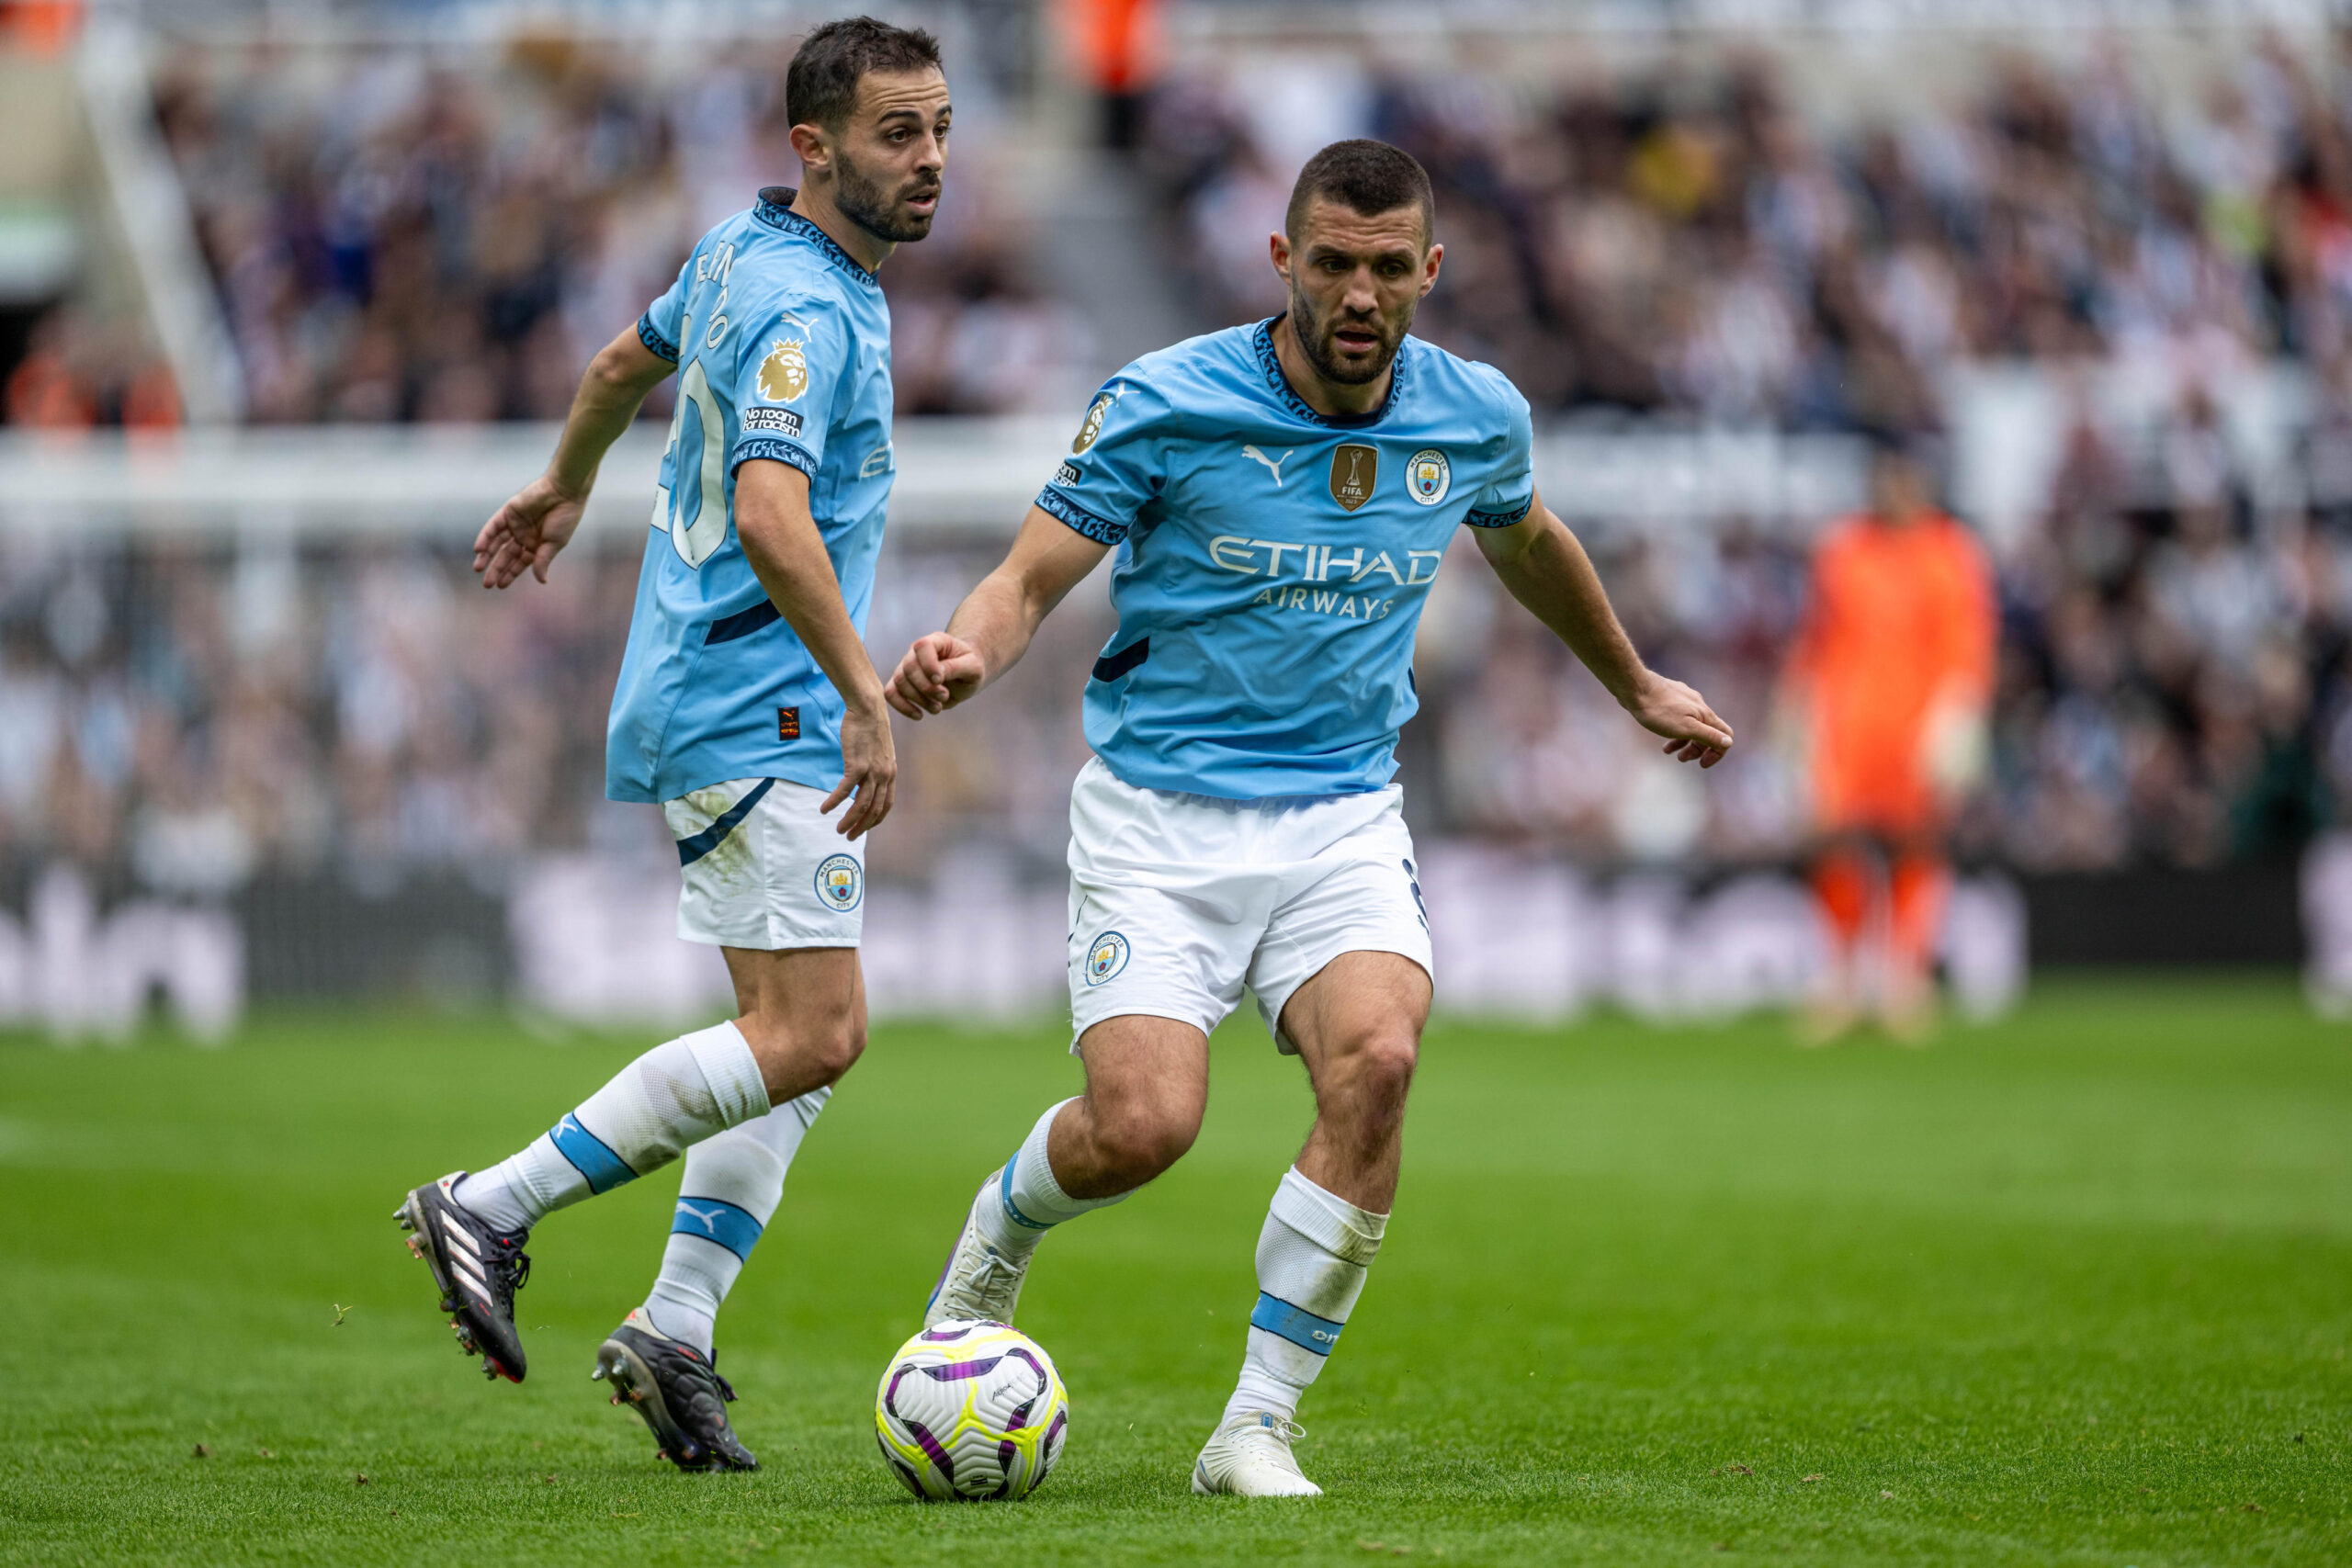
696,542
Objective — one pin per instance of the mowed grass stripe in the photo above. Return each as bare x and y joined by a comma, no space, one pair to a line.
2076,1288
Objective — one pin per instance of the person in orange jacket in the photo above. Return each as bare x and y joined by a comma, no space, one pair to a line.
1889,688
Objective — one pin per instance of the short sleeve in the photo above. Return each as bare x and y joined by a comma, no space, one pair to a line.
1509,490
787,370
664,320
1116,461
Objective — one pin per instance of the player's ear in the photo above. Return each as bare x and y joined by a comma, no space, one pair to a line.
1278,247
1428,268
814,148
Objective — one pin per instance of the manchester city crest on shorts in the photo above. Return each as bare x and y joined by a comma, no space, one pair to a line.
1428,475
840,882
1105,958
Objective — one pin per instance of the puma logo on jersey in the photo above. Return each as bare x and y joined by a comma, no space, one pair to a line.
1273,465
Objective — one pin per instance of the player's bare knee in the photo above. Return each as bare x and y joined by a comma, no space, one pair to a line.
1375,1072
838,1043
799,1054
1390,1061
1137,1142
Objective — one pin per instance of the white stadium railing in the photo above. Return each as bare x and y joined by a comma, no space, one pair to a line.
953,475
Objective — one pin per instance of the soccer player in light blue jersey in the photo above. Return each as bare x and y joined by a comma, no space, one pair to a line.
1279,499
746,710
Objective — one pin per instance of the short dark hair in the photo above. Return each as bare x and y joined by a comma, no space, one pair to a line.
820,85
1365,176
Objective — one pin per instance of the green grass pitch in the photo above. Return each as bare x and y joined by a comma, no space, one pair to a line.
2075,1289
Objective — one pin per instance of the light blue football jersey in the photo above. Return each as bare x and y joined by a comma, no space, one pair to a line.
782,347
1274,561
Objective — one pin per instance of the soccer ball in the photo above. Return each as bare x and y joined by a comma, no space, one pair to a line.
969,1411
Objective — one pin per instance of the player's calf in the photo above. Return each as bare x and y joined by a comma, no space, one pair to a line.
1360,1088
1357,1025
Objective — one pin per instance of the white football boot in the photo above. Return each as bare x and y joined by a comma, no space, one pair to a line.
981,1281
1249,1455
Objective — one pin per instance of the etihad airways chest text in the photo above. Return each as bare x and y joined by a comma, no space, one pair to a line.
1351,565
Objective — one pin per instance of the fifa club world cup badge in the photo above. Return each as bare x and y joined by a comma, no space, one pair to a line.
841,882
1428,475
1105,958
784,374
1354,468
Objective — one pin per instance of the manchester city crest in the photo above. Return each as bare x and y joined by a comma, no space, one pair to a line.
840,882
1105,958
1428,475
784,374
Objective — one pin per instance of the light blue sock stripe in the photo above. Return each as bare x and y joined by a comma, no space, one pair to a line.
588,1155
1298,1326
1011,1210
716,1219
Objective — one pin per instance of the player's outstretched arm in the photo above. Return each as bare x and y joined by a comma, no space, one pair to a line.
524,534
1546,570
781,540
992,629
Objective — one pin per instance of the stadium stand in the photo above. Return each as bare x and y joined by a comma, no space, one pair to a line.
400,235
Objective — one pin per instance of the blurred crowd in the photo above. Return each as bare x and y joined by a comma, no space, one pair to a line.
396,241
1687,243
399,235
199,717
80,370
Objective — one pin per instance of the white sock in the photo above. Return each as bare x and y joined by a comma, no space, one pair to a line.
1313,1257
1031,1201
672,1096
733,1184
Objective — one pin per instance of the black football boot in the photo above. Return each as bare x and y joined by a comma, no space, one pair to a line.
478,1270
678,1390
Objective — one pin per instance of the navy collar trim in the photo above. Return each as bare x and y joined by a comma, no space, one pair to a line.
774,209
1271,363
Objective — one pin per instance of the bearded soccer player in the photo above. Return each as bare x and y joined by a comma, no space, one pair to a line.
746,708
1889,688
1280,496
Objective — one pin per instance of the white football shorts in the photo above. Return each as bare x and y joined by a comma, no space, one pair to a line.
762,869
1177,902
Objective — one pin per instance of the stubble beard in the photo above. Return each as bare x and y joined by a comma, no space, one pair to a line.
864,203
1308,330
